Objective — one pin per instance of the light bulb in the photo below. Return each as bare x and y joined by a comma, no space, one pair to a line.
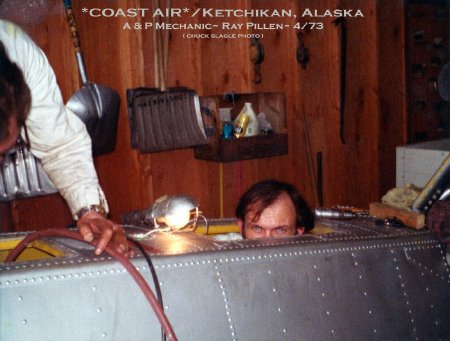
178,219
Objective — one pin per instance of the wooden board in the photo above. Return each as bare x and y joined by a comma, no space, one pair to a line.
409,218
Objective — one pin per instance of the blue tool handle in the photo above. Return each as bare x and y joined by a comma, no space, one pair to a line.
67,3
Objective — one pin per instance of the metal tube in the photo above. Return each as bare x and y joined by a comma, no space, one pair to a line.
330,213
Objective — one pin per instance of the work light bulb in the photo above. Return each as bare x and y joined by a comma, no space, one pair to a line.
178,219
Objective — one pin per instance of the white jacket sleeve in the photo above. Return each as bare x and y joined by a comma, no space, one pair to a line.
57,136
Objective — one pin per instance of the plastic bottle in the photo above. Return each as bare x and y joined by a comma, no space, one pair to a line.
240,123
246,124
253,125
226,125
227,130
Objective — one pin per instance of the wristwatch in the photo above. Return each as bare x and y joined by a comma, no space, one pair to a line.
96,208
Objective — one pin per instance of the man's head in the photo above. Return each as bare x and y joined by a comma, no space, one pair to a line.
15,101
273,208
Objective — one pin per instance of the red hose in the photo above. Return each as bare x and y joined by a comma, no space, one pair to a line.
147,291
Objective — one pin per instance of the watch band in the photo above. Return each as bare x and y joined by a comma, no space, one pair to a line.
96,208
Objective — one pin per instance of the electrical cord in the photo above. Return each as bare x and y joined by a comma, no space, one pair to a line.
140,281
154,276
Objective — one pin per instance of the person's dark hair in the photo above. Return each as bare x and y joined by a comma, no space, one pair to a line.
15,95
262,194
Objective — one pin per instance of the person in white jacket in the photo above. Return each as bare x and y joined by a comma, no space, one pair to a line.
58,138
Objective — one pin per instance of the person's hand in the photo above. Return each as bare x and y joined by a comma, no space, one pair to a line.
94,225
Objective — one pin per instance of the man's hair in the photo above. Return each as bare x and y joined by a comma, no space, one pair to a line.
15,95
263,194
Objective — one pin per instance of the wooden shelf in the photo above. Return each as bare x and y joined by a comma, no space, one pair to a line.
244,148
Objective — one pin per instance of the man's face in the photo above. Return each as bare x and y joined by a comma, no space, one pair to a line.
276,220
11,139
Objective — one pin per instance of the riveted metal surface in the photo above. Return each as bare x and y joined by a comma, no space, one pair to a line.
361,282
339,292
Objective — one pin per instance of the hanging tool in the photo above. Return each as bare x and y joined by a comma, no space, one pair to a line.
96,105
302,53
257,57
341,22
163,118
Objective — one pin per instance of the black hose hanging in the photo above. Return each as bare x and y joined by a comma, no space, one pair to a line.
154,276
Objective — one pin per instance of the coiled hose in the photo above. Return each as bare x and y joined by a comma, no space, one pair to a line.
140,281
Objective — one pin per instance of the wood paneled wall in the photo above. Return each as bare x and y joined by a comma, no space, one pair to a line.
356,173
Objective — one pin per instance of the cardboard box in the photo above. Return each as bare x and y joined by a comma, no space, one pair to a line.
417,163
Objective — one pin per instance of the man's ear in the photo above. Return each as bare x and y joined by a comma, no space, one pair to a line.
300,230
240,223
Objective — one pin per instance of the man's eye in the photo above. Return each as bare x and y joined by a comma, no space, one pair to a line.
280,230
257,228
